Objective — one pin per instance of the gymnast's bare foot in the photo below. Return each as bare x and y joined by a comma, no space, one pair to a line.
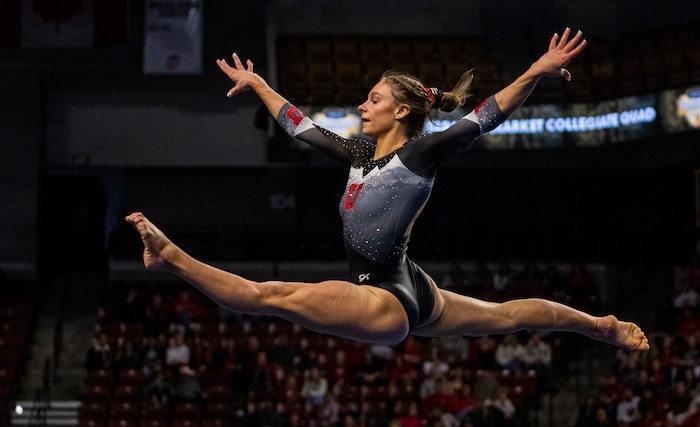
622,334
158,251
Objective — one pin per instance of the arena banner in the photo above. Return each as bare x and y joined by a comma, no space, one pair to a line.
57,24
558,125
173,37
589,124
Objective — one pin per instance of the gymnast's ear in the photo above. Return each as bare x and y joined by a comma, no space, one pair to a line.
402,111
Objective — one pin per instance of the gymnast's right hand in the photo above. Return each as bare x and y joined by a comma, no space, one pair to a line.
243,76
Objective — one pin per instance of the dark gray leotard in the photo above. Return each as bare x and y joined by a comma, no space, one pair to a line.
384,197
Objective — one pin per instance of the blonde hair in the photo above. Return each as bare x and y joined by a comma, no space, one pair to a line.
408,90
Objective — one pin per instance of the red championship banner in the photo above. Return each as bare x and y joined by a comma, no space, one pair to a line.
173,37
46,24
57,23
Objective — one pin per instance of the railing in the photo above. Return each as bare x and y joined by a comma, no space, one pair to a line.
42,397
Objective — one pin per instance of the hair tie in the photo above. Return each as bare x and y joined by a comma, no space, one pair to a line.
435,96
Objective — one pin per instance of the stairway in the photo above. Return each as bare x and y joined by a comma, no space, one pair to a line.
52,381
66,372
63,335
62,384
51,413
560,408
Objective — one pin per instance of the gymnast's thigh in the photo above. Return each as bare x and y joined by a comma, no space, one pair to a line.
341,308
465,315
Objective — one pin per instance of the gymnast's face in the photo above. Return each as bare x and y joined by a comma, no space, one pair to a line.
380,111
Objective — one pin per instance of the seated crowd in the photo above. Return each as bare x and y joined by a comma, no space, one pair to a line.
660,387
169,356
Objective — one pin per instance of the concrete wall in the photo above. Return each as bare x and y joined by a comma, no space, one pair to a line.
21,133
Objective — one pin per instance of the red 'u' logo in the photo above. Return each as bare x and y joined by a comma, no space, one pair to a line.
350,198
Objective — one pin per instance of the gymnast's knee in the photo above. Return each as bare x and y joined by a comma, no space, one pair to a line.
275,290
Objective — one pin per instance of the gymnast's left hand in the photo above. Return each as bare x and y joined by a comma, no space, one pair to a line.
561,51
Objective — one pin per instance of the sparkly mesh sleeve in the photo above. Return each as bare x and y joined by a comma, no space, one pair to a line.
425,154
487,115
300,126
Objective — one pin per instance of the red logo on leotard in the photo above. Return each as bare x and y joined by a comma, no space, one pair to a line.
296,115
350,198
478,107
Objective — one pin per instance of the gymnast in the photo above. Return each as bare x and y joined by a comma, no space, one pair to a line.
388,296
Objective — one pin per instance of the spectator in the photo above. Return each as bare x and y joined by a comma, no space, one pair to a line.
455,344
583,288
602,418
509,353
305,356
153,357
555,284
348,411
679,400
612,387
127,356
263,413
370,371
651,406
398,369
178,352
332,407
627,408
188,387
315,386
409,417
530,274
439,401
502,277
436,363
658,374
413,351
205,349
686,295
532,281
500,410
484,354
586,413
281,351
159,391
290,392
464,403
382,351
185,311
689,322
157,316
263,373
485,385
481,278
340,371
131,309
691,351
670,355
427,385
537,355
455,280
99,355
455,378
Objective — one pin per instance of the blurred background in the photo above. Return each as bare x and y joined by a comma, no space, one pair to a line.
590,195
